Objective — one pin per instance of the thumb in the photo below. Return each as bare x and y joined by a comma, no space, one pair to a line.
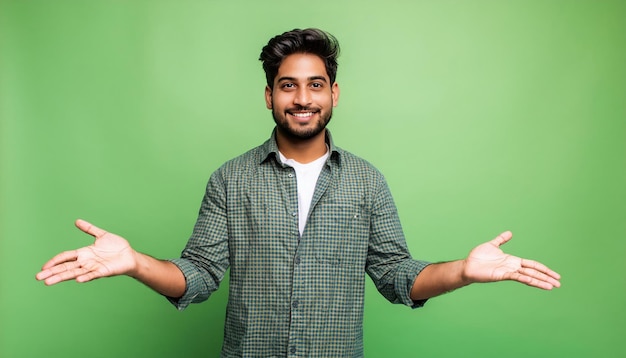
90,229
502,238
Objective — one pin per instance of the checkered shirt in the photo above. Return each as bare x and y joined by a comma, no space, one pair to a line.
292,295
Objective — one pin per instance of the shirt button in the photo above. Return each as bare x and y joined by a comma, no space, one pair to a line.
290,175
292,350
297,260
294,304
294,213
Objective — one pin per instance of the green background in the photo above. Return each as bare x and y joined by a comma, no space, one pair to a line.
484,116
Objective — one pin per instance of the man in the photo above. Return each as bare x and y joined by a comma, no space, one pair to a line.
299,222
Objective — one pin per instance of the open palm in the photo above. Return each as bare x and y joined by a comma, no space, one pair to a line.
109,255
488,263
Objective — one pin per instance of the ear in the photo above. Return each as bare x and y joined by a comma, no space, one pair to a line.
268,97
334,91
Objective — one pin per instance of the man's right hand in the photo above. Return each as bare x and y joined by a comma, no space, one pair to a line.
109,255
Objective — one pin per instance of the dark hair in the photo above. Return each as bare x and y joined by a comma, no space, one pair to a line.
311,41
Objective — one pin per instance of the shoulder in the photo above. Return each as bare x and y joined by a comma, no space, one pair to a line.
358,178
355,165
244,163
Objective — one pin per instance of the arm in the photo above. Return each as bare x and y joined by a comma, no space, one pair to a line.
111,255
485,263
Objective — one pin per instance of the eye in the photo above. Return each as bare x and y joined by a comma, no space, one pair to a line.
288,85
317,85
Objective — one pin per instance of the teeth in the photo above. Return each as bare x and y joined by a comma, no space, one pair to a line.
302,115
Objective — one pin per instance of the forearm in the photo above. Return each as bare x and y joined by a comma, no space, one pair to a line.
162,276
439,278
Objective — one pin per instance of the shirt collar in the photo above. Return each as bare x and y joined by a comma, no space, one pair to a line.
270,148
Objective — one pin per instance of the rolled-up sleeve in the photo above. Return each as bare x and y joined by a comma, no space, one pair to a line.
205,258
389,262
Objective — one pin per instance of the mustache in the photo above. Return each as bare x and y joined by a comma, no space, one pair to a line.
303,109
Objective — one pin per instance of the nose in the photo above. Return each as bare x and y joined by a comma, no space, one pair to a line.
302,97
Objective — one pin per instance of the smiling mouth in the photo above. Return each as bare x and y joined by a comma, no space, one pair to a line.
302,114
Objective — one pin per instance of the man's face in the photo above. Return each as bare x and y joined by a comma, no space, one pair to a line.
303,98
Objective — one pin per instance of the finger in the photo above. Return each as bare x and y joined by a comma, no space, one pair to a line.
61,258
531,281
66,266
539,277
62,272
88,276
502,238
541,268
89,228
66,275
57,269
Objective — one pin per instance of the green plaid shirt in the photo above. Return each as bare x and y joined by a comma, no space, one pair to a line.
292,295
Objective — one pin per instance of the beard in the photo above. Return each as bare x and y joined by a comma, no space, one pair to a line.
295,133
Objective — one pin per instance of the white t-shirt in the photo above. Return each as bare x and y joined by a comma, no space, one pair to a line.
306,178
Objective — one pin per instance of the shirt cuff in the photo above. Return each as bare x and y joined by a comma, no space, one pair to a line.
191,275
405,278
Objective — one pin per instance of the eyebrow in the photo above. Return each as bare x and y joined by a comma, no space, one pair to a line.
312,78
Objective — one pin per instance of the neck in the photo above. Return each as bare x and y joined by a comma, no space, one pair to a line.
302,150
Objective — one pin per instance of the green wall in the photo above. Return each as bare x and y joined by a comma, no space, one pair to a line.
484,116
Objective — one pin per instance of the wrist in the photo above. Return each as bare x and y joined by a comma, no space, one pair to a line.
466,278
138,265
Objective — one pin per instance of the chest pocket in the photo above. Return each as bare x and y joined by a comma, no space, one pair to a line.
340,230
